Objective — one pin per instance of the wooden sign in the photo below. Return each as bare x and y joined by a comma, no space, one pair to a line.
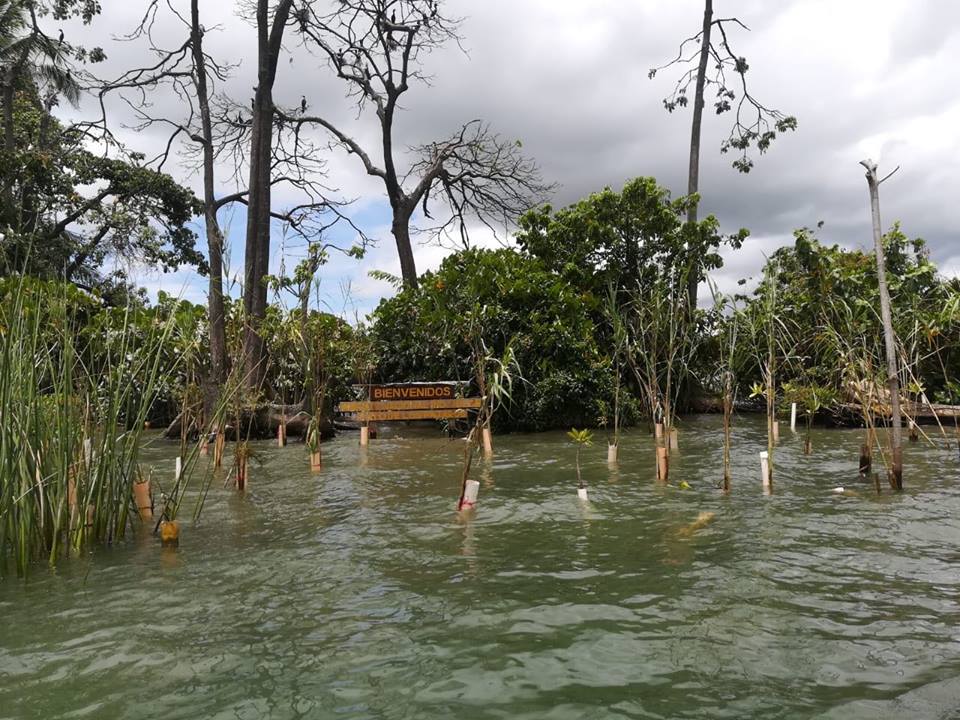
367,406
411,401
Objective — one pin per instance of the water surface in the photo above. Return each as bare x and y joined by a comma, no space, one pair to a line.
359,593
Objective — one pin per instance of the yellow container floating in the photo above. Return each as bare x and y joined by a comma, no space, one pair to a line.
170,532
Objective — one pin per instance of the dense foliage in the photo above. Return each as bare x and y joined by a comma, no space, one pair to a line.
503,297
829,329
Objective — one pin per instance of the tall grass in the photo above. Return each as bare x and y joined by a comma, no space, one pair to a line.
72,409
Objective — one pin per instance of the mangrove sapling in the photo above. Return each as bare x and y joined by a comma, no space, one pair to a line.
495,377
770,338
812,399
582,439
661,342
620,341
728,319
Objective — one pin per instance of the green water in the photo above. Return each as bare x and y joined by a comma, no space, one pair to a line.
359,593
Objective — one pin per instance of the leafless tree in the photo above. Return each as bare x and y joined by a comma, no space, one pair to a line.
213,131
754,125
889,338
376,47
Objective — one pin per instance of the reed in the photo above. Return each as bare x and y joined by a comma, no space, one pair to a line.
73,412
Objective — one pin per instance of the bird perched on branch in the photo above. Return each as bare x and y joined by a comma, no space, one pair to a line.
303,104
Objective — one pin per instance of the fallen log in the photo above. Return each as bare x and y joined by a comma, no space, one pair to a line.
263,423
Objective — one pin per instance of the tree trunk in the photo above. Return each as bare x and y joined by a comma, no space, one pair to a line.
257,252
215,312
889,340
401,232
693,172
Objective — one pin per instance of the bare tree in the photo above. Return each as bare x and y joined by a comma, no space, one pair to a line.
270,28
216,131
754,123
376,47
889,339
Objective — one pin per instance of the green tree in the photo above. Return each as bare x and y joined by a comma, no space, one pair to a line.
72,210
627,239
500,296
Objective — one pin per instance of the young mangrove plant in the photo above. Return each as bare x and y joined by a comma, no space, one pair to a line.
495,377
727,319
582,439
811,399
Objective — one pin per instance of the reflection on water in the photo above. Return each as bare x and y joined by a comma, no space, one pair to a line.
358,592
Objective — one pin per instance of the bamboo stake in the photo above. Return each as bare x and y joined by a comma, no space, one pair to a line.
141,494
242,473
487,442
663,464
219,445
793,417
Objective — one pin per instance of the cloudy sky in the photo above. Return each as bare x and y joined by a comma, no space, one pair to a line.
865,78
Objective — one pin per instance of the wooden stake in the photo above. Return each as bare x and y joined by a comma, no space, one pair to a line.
866,458
896,469
776,431
663,464
178,469
315,460
793,417
765,471
141,495
219,445
674,439
612,451
242,473
364,436
282,432
487,443
658,432
582,494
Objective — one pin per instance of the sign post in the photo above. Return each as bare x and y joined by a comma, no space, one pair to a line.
409,401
